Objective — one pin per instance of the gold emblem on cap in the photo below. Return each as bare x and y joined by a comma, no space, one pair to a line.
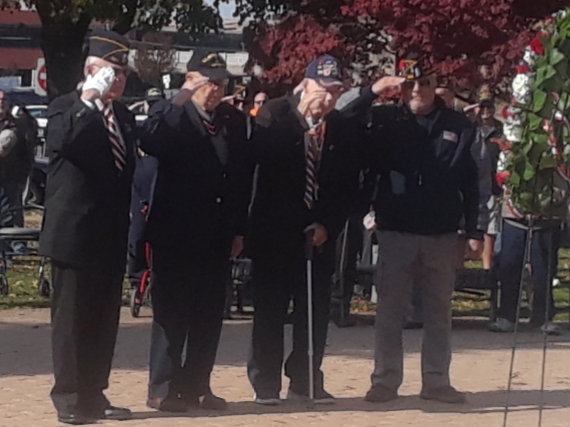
410,69
105,39
215,58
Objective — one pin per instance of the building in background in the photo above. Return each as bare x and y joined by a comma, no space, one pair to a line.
21,57
19,44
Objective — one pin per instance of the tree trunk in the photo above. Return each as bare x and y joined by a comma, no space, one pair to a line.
125,22
63,44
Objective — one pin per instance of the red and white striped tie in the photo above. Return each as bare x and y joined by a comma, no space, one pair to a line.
117,144
316,137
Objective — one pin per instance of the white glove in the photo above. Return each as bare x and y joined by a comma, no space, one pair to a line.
100,81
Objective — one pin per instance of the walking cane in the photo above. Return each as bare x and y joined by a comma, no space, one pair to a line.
343,267
309,252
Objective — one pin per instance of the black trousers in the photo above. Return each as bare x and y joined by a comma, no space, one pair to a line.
279,275
346,273
509,265
143,181
188,298
137,262
14,190
85,319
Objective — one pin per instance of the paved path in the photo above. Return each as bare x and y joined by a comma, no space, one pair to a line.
480,367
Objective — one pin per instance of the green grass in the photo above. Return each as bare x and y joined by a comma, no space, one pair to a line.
23,280
475,305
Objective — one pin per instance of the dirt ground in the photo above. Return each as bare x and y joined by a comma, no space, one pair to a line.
480,366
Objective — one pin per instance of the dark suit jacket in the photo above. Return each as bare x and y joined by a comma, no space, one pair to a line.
87,200
278,146
199,204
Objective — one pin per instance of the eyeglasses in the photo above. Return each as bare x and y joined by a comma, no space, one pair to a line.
219,83
423,83
260,101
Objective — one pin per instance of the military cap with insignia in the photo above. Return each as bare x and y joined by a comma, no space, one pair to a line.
110,46
209,64
444,82
326,70
414,67
154,94
485,98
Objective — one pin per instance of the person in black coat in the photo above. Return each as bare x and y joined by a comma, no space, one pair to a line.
143,183
196,221
16,156
293,201
91,142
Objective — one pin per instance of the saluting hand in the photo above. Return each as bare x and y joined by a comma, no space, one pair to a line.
388,85
310,98
97,85
469,108
189,88
194,83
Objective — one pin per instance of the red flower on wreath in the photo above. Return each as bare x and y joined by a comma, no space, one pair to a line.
523,69
508,112
537,46
502,178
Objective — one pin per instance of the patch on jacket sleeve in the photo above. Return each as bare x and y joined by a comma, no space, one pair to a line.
450,136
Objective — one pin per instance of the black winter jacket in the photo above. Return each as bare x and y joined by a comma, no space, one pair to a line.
427,182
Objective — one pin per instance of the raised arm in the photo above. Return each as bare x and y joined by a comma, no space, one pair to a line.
386,86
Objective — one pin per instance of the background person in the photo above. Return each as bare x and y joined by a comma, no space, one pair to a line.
143,182
16,155
486,151
446,92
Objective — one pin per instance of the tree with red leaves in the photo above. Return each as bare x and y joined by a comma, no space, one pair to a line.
458,37
288,47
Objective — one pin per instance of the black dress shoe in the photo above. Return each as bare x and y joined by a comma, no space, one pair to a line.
76,419
117,414
209,402
213,402
170,404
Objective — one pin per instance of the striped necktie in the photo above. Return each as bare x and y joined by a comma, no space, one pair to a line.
117,143
313,157
210,127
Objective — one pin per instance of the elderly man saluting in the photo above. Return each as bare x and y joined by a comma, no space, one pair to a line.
427,184
90,142
304,152
199,208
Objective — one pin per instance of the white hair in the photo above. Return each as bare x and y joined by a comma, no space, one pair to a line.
91,60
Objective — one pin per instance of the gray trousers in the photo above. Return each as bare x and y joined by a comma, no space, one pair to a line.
401,258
